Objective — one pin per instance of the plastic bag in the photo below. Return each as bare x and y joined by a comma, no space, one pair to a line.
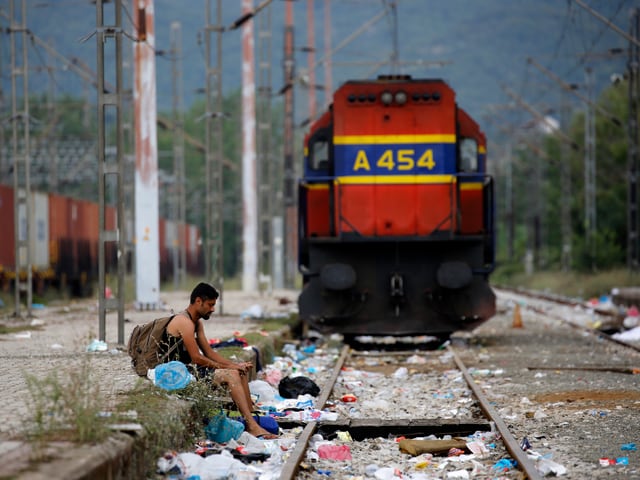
265,392
335,452
172,375
291,387
221,429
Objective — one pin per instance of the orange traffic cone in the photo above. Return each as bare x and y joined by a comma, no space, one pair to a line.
517,317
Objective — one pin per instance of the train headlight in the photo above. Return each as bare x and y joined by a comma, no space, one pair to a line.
386,98
337,276
401,98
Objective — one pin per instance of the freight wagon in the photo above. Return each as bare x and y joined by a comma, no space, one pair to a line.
64,243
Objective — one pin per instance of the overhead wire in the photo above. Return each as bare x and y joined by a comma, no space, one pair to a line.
588,49
567,36
43,62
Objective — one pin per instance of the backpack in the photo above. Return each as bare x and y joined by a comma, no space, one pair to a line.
144,345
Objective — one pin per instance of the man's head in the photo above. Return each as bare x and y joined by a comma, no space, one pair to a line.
205,292
204,296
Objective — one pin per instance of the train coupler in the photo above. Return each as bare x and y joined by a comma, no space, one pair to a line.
397,292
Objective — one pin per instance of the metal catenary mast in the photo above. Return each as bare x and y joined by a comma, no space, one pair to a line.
21,156
266,197
179,203
110,164
214,220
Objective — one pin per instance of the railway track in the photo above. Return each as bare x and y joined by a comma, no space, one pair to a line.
553,383
534,376
367,428
600,322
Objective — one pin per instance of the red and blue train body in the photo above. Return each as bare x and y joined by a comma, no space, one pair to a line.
396,231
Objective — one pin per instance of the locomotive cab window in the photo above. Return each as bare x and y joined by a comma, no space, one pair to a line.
319,150
468,155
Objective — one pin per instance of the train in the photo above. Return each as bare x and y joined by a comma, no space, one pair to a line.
64,244
396,232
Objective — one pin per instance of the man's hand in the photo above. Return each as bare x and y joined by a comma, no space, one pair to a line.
244,367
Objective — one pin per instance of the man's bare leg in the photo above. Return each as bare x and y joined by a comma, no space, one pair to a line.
247,390
234,382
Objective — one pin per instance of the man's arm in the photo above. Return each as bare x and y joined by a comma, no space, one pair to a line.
182,326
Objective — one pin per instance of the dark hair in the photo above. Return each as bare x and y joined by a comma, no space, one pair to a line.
204,291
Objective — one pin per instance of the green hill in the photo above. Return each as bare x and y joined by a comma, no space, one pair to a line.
483,44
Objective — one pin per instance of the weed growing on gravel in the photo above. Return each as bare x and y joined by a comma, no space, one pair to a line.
65,408
171,420
206,398
167,423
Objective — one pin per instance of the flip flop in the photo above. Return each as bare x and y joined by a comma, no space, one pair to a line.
267,436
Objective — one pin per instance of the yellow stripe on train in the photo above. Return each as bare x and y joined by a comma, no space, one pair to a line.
395,179
471,186
392,139
316,186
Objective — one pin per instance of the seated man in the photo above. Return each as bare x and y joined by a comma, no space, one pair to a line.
195,350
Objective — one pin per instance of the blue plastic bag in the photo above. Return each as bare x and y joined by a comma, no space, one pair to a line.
172,375
221,429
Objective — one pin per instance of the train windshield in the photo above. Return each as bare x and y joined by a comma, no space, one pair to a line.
319,151
468,155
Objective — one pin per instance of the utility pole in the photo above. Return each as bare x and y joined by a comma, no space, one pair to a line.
633,162
266,194
328,76
395,55
4,155
565,194
290,239
128,252
21,155
49,133
214,220
179,249
508,199
110,163
146,151
311,60
590,172
249,185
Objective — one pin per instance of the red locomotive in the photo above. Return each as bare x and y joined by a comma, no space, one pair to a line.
396,231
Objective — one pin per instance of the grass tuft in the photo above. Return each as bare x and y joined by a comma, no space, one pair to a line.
65,408
569,284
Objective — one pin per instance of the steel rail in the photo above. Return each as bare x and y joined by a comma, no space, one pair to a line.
573,303
290,468
511,444
585,329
